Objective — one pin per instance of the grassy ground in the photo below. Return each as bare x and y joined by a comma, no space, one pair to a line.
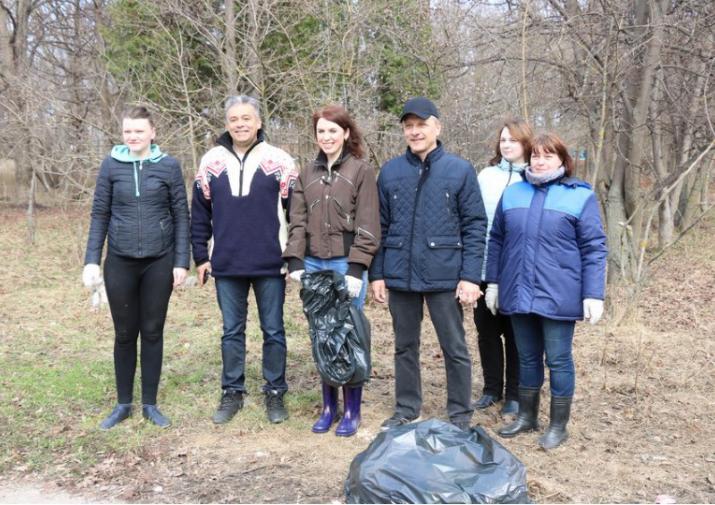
642,418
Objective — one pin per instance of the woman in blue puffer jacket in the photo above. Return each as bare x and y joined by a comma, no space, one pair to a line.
140,205
546,269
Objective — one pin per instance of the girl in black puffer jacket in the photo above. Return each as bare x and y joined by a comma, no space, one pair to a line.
140,205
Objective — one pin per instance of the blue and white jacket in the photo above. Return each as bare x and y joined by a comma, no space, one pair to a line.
243,205
547,249
493,181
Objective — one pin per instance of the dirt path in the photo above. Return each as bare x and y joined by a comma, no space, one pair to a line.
34,491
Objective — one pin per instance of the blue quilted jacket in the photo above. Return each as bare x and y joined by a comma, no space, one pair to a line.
547,249
433,223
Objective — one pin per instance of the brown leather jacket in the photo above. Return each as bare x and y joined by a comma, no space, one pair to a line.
334,213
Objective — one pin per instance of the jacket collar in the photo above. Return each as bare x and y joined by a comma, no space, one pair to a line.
321,161
226,141
508,166
432,156
573,182
122,153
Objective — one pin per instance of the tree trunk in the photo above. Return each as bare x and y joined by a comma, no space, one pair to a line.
229,62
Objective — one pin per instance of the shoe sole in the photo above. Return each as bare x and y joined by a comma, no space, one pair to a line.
542,446
512,435
162,426
102,428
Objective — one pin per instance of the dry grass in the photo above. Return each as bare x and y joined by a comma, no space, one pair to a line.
642,418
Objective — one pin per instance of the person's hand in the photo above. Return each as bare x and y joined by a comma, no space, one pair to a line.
468,293
491,298
592,310
179,276
91,276
379,291
354,285
203,271
296,275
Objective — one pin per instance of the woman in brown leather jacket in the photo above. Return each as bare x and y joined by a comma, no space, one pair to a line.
335,225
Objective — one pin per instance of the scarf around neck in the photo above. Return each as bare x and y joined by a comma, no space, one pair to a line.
544,178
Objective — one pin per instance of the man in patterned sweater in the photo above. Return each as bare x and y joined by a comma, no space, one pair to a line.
240,199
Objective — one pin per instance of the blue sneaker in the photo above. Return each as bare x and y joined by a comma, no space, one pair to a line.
119,414
153,415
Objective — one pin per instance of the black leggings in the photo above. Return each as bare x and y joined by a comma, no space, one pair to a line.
138,290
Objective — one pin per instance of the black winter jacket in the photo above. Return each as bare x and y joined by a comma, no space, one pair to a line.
141,206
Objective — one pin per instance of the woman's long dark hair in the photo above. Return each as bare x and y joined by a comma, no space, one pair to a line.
338,115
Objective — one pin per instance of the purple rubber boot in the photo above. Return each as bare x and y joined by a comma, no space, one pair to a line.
330,410
351,420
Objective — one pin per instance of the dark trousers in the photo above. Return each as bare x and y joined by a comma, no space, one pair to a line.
446,313
497,357
138,291
232,294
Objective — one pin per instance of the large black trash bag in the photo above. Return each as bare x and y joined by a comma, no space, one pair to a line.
435,462
339,331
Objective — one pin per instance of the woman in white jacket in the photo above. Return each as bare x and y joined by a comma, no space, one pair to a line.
513,148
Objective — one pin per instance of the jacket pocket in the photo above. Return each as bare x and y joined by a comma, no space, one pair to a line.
118,239
167,232
395,262
347,222
443,258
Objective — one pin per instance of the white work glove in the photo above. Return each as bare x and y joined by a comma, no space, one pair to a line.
296,275
592,310
91,276
354,285
491,298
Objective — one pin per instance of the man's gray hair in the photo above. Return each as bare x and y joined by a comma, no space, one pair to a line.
240,100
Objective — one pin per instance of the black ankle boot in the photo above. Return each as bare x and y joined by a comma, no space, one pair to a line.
556,433
527,418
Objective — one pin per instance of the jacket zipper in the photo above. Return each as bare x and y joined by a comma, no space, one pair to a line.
537,244
241,163
137,194
423,175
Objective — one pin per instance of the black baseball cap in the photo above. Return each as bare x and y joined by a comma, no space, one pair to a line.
419,106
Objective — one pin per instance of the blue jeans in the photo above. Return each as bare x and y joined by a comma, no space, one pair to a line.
340,265
536,335
232,294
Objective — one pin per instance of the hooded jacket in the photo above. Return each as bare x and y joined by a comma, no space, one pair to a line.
433,223
242,204
547,249
335,212
140,206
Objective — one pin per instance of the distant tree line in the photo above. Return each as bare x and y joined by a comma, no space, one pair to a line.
628,84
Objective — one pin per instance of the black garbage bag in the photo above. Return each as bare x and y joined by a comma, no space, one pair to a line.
435,462
339,331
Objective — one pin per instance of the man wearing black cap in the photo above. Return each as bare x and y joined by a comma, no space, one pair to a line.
433,226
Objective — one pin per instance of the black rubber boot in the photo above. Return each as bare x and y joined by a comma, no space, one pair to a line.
527,418
556,433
